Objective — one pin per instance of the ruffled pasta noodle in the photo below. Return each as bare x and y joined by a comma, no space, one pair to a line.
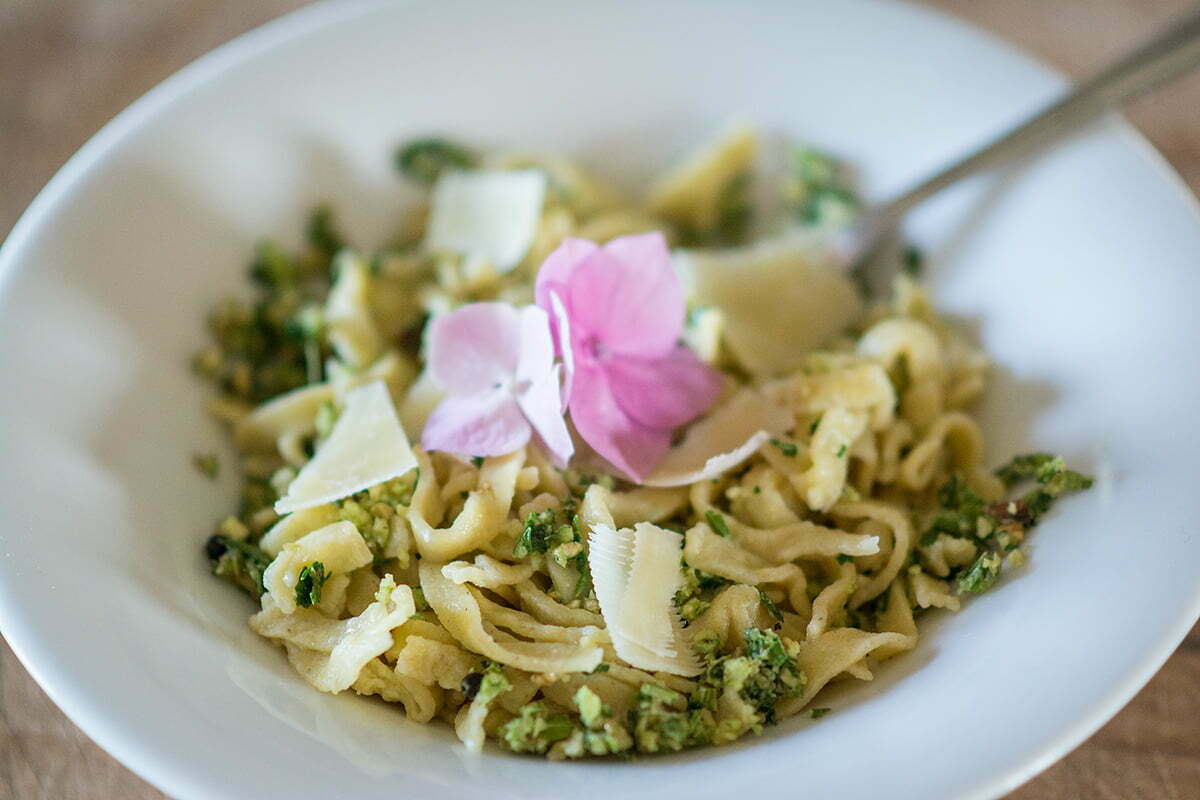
461,591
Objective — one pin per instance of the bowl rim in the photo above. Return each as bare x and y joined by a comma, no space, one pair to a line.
118,738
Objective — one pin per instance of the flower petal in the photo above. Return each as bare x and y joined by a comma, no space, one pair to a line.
486,424
628,296
628,445
535,355
541,403
474,348
555,272
664,392
561,325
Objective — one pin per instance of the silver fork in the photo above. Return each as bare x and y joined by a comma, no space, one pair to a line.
1168,55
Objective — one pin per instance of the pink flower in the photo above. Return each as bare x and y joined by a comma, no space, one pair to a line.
618,311
496,365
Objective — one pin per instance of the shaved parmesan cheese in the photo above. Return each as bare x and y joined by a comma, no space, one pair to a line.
367,446
636,574
723,439
777,300
488,214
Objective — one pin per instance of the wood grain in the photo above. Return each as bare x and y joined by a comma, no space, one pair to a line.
66,67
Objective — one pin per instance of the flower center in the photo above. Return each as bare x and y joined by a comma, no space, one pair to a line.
597,349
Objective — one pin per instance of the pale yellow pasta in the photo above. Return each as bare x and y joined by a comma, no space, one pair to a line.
465,590
482,516
352,329
459,612
329,652
338,546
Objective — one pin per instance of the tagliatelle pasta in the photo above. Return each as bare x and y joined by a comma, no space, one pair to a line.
543,590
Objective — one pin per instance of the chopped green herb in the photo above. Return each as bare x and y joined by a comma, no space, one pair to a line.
841,451
842,558
239,562
787,448
758,490
542,531
914,262
817,713
982,575
323,234
813,427
769,604
207,464
273,268
424,160
717,522
309,583
477,461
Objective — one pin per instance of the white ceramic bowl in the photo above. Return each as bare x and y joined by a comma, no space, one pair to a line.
1078,270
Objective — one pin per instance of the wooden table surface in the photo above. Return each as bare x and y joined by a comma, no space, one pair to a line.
67,66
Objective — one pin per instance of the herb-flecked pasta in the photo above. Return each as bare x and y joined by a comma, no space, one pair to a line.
466,588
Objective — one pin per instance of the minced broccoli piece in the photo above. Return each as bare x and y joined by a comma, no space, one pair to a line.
424,160
239,562
599,734
535,728
486,684
309,583
999,528
692,608
543,531
692,598
819,189
766,674
662,721
323,235
373,518
982,575
960,511
273,268
559,536
1027,467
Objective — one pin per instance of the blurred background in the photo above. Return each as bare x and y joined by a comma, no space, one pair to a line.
67,66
